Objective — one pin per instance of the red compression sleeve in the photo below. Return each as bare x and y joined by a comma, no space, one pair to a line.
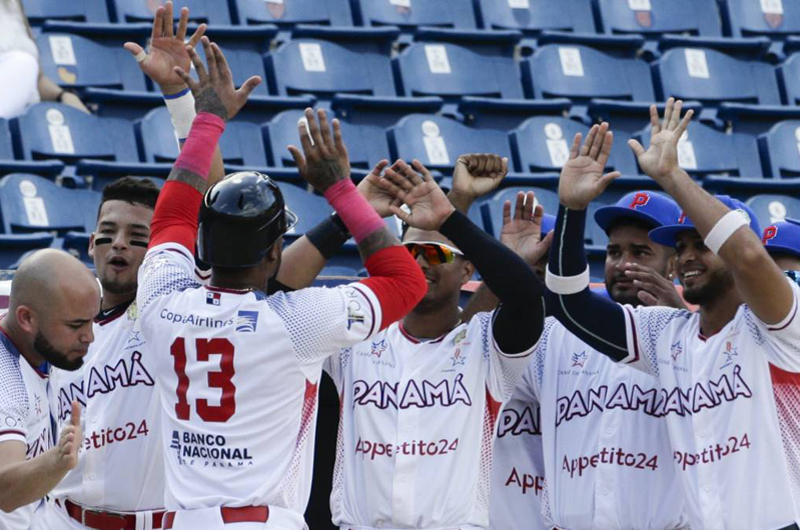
397,281
175,217
354,210
198,151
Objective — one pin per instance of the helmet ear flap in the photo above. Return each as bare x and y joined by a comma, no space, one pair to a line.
240,219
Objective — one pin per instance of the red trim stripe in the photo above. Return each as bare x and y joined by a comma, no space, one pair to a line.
12,431
371,309
794,314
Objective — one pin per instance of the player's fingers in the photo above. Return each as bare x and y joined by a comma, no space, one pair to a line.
676,115
247,88
400,213
182,23
605,151
527,208
325,129
199,67
158,21
503,166
399,180
685,122
668,113
299,159
647,298
378,169
411,172
389,186
198,33
547,242
519,206
506,212
538,215
655,122
134,48
607,179
599,140
75,419
169,21
587,145
191,83
338,140
636,147
422,170
313,129
211,59
223,70
576,146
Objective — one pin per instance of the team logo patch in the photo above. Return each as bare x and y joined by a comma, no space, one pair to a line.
246,321
676,349
729,352
579,359
213,298
378,348
458,357
460,336
176,444
354,314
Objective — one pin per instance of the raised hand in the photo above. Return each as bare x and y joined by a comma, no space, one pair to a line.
476,175
654,289
522,229
415,187
582,179
376,196
661,159
70,441
215,92
326,161
167,50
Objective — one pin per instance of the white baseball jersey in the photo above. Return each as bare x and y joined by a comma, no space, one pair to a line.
417,427
237,378
120,466
25,416
518,464
607,455
732,405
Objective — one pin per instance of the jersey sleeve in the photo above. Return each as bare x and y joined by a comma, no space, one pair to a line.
645,327
783,336
505,371
167,268
334,366
13,403
321,321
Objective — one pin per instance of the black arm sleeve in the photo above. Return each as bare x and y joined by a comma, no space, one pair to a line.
329,236
595,319
519,320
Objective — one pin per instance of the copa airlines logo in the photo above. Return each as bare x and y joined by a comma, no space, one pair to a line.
385,395
654,402
193,320
104,380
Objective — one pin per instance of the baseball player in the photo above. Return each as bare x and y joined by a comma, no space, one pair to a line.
782,241
238,370
727,373
420,400
607,460
48,323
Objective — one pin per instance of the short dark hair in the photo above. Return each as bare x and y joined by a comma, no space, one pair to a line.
141,191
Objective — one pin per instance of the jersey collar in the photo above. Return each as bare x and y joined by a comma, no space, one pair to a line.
107,315
415,340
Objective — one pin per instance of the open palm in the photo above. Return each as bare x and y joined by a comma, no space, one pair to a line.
429,206
661,158
582,179
376,196
167,49
522,228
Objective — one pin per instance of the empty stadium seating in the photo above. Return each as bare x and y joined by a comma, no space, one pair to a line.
781,150
208,11
75,10
532,17
410,15
771,209
327,13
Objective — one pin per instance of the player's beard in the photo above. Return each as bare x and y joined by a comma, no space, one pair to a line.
119,286
629,296
719,281
50,354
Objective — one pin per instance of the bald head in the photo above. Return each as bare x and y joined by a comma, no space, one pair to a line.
54,299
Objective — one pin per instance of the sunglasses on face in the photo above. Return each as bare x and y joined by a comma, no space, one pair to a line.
434,253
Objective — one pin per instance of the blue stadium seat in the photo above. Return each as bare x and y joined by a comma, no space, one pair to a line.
448,71
77,244
456,14
781,150
32,204
323,69
771,209
13,247
437,141
245,61
292,12
664,16
542,144
747,19
366,144
310,209
214,12
74,10
9,165
789,77
584,74
73,61
715,78
573,16
242,144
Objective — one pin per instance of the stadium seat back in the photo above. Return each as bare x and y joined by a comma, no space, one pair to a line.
771,209
53,130
781,144
655,17
241,144
75,61
789,73
322,68
30,203
448,70
366,144
542,144
291,12
14,247
74,10
244,62
310,209
437,141
6,144
410,14
582,73
712,77
532,16
208,11
773,19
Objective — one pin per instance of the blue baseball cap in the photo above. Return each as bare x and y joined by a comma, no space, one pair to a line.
666,235
782,238
646,206
548,224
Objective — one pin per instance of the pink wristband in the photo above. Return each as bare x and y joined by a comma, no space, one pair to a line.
199,148
356,213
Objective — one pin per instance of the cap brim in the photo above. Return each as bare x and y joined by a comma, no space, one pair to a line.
780,249
605,215
667,235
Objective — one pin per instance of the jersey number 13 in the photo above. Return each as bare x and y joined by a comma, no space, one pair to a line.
221,379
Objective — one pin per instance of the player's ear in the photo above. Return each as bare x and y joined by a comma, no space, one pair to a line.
91,246
275,250
467,271
26,318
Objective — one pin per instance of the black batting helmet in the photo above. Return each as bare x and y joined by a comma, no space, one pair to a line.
240,218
